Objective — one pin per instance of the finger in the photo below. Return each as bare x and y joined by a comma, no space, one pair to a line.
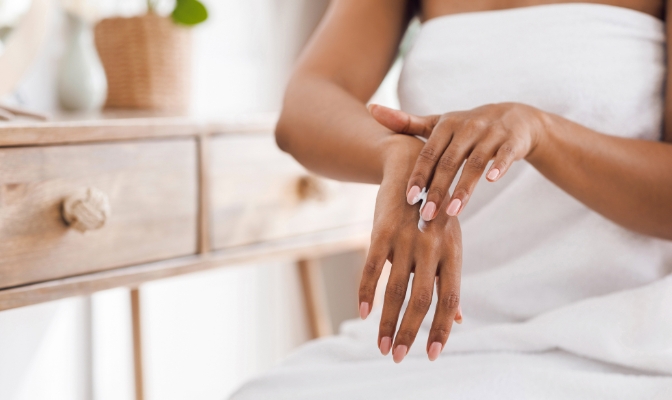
373,267
402,122
506,155
395,293
471,174
446,169
418,305
447,307
425,166
458,316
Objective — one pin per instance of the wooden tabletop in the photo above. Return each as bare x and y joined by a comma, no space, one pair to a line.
83,128
118,126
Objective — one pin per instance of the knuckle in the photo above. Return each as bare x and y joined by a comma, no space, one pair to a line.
498,129
437,192
408,236
449,162
428,154
365,292
461,192
507,151
381,234
476,123
437,244
370,269
446,122
406,335
421,301
388,325
450,301
476,161
441,333
454,239
396,292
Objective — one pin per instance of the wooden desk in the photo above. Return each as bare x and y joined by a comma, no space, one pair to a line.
184,195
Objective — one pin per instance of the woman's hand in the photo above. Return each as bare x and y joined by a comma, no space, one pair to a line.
432,256
505,132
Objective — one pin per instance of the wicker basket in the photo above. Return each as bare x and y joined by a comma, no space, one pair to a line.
147,61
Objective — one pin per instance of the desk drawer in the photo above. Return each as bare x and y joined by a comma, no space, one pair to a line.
260,193
152,194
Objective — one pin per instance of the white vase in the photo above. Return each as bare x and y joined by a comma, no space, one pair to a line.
81,80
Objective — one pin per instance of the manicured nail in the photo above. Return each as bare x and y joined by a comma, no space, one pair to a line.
413,195
493,174
363,310
385,345
454,207
458,316
434,351
428,211
399,353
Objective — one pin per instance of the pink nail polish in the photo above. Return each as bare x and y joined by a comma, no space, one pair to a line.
493,174
412,196
428,211
454,207
399,353
458,316
364,310
385,345
434,351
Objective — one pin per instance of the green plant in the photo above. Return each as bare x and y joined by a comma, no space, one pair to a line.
189,12
186,12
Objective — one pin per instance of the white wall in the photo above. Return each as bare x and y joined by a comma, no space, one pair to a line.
41,352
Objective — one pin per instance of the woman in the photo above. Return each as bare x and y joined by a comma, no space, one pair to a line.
566,254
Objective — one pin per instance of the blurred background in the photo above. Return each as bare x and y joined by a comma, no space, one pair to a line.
204,333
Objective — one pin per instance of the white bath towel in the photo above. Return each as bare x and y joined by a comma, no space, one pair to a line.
558,302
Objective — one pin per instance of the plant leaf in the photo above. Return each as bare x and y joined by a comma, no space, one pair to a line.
189,12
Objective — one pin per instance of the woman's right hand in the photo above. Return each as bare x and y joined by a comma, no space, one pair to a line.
434,255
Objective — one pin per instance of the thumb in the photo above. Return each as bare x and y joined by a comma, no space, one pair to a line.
402,122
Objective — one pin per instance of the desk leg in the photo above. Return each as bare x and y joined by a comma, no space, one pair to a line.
315,298
137,344
88,345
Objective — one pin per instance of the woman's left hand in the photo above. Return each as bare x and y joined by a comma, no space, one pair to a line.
505,132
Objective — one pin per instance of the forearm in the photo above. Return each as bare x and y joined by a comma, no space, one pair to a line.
330,132
628,181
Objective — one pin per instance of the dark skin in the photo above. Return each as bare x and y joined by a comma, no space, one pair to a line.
325,125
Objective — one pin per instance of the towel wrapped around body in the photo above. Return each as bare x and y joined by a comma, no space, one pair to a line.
558,301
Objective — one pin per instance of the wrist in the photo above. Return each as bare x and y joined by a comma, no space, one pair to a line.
547,128
399,154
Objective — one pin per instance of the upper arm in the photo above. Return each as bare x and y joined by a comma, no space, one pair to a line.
355,44
667,134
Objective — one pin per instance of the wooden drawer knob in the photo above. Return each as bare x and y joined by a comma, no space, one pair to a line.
310,187
88,209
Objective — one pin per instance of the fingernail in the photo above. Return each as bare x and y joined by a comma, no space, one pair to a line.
399,353
363,310
428,211
493,174
434,351
385,345
454,207
458,316
413,195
